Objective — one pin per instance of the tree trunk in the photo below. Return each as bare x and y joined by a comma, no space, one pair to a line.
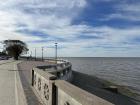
16,57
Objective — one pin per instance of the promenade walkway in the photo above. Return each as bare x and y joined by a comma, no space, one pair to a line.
8,91
25,68
9,85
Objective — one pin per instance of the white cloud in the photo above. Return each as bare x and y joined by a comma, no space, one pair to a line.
39,14
125,11
54,18
13,12
133,7
15,36
48,16
113,41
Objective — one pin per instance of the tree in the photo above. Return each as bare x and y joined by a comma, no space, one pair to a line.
3,54
15,48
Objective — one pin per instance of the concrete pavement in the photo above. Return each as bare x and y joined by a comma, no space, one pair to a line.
15,88
8,88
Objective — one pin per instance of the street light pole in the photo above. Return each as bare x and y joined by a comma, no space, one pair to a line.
42,53
35,53
31,55
56,52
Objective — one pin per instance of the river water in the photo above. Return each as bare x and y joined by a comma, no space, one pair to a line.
123,71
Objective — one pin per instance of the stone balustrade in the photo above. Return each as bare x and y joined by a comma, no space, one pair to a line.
51,84
68,94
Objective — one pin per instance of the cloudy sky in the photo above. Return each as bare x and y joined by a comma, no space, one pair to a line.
98,28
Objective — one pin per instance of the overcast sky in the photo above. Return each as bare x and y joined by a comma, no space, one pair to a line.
98,28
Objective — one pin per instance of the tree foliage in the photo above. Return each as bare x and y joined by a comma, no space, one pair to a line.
15,48
3,54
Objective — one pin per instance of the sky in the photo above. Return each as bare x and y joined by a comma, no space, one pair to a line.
82,28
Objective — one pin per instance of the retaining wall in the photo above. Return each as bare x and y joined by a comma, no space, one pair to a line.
54,89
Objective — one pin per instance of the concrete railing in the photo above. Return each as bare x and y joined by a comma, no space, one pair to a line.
43,83
55,91
62,70
68,94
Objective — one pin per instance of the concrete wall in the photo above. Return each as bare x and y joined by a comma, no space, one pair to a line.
68,94
63,71
53,89
65,99
43,84
67,76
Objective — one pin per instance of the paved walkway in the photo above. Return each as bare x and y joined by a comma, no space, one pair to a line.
8,92
25,68
8,82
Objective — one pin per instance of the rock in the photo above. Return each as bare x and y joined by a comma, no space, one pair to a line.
113,89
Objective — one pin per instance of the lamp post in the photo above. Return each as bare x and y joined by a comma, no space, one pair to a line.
56,52
42,53
31,55
35,53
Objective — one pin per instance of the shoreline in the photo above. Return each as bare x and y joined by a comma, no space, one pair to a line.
98,87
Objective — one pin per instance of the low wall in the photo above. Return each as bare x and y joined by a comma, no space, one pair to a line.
21,99
54,89
68,94
43,83
62,70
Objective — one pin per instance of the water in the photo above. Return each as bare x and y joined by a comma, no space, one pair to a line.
123,71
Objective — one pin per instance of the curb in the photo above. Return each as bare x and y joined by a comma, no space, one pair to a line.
21,98
9,61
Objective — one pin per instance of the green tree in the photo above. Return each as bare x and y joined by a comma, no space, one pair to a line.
15,48
3,54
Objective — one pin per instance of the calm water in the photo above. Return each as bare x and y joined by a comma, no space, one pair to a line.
123,71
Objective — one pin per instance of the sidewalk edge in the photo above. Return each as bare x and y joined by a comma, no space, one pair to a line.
21,97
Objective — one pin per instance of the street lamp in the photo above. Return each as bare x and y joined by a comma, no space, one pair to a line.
31,55
56,52
35,53
42,53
